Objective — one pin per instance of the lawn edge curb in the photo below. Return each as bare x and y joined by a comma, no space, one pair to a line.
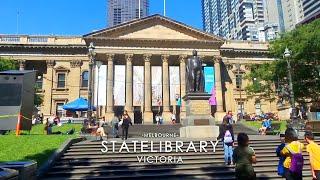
57,154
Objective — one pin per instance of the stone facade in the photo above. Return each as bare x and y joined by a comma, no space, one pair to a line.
62,62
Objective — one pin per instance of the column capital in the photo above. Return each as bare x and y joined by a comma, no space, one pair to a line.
50,63
165,58
128,57
109,57
147,57
182,58
75,63
217,59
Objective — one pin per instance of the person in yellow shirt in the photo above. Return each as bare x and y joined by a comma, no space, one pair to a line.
293,149
314,153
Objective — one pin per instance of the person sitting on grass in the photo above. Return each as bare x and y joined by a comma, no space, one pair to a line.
314,153
244,156
266,125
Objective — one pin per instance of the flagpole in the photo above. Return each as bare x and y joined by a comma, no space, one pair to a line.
164,7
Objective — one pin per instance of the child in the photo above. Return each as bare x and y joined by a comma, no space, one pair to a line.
292,153
243,157
281,159
314,152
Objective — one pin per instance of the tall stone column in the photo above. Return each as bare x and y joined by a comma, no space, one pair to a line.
218,86
109,106
147,115
22,64
165,88
129,89
182,59
47,87
75,75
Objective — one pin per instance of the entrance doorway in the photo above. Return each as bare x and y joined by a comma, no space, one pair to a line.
137,115
156,110
118,110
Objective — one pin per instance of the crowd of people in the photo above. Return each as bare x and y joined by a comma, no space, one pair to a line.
291,161
98,128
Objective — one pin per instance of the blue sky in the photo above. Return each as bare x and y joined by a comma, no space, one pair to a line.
78,17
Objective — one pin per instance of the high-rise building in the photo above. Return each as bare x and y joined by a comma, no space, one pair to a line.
242,19
292,13
120,11
311,8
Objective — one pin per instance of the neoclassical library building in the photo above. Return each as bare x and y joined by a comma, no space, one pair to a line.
141,69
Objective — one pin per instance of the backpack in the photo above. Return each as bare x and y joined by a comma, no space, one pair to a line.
296,165
227,137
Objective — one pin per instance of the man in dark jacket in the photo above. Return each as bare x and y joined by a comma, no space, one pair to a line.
125,126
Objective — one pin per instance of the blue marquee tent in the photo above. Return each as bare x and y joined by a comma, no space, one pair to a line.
79,104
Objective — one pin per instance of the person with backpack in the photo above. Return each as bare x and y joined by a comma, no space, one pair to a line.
281,158
292,152
314,153
227,137
244,156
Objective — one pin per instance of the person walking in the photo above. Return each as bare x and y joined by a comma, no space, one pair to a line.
115,126
226,135
292,153
244,156
314,153
126,121
281,158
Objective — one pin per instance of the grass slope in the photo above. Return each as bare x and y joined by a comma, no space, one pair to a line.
34,145
257,124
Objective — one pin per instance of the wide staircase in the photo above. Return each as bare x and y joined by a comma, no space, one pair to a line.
84,160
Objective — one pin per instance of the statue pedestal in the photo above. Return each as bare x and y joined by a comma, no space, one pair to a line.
198,122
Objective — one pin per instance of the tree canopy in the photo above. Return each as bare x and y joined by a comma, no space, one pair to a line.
304,45
7,64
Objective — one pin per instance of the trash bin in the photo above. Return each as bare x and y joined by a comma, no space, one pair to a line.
26,169
9,174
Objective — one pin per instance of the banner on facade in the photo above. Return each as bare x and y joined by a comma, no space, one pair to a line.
156,75
174,75
119,89
208,79
101,91
138,85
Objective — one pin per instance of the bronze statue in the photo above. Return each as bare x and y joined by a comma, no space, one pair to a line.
195,77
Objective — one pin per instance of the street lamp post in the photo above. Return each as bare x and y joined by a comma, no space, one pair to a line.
286,56
91,54
240,88
98,64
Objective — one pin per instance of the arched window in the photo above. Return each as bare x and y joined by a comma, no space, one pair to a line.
85,79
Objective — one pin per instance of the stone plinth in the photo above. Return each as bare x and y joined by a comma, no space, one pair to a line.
198,122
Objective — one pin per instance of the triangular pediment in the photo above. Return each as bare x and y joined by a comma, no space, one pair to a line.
154,27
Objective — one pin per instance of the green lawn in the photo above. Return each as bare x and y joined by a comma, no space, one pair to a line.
34,145
257,124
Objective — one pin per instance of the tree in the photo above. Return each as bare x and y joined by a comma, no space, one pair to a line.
304,44
7,64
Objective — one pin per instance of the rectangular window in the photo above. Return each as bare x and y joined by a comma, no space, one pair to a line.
61,81
59,109
238,81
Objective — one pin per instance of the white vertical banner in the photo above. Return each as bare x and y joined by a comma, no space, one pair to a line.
119,88
156,85
100,93
138,85
174,73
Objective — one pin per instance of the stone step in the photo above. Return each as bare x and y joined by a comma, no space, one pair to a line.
155,166
161,172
